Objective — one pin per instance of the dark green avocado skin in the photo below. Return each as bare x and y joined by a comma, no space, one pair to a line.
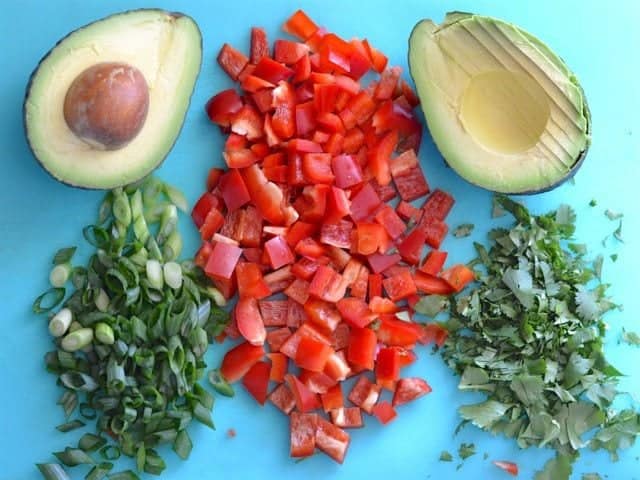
576,166
46,55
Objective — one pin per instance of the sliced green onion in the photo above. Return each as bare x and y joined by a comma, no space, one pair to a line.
141,456
219,384
60,322
154,274
74,326
104,333
199,341
116,281
215,295
79,277
96,236
90,442
77,340
104,212
182,444
64,255
202,414
73,456
60,275
139,328
87,411
172,247
99,471
69,401
176,197
154,464
151,189
154,249
110,452
48,300
168,222
121,208
173,274
78,381
69,426
124,475
140,257
115,376
102,300
52,471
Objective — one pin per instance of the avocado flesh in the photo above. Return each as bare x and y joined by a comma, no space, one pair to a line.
165,47
505,112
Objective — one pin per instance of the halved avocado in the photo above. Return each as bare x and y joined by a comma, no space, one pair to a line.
164,47
506,113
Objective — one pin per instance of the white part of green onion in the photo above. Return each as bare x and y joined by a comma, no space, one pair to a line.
77,340
74,326
176,197
173,274
102,301
154,274
216,296
104,333
60,274
60,322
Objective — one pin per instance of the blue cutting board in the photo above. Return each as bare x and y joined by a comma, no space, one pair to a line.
599,40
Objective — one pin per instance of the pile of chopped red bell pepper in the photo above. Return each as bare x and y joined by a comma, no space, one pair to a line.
301,226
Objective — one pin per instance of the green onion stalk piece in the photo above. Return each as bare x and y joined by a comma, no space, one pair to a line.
77,340
104,333
60,322
60,275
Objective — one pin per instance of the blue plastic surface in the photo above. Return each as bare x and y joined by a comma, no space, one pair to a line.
599,40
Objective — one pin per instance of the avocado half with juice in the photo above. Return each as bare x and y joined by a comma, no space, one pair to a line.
106,104
504,110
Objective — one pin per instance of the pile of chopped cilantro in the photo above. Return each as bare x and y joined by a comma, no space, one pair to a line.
530,336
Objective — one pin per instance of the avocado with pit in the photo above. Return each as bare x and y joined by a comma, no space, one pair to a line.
506,112
105,106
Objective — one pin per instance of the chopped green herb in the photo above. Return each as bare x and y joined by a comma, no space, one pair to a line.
496,208
64,255
613,257
529,336
431,305
591,476
446,456
463,230
617,234
466,450
611,215
593,202
632,338
485,456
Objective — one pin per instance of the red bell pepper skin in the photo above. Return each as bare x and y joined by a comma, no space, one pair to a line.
237,361
223,260
256,381
250,324
458,276
303,428
362,348
384,412
409,389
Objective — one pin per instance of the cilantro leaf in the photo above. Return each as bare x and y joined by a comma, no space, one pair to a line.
591,476
558,468
463,230
617,234
483,414
431,305
632,338
446,456
466,450
611,215
520,283
528,389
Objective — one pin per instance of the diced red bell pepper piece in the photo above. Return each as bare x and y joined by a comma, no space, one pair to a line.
299,231
213,178
312,355
232,61
347,171
364,394
430,284
384,412
298,290
283,398
399,286
300,25
396,332
322,314
365,203
406,356
360,284
410,248
278,366
380,262
347,417
249,321
312,203
259,45
433,262
378,59
355,312
337,367
330,122
509,467
212,223
302,427
283,120
379,157
438,205
278,252
271,71
222,107
412,185
309,248
252,84
387,84
251,282
409,389
371,238
302,70
274,312
317,382
306,400
289,52
340,336
223,260
276,338
237,361
392,223
434,229
408,212
338,207
268,197
316,168
379,304
263,99
332,399
375,286
233,190
333,145
458,276
432,332
324,97
362,347
335,54
256,381
202,207
305,118
387,368
327,284
202,255
332,440
248,122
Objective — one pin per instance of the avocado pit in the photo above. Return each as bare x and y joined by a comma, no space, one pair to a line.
107,104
